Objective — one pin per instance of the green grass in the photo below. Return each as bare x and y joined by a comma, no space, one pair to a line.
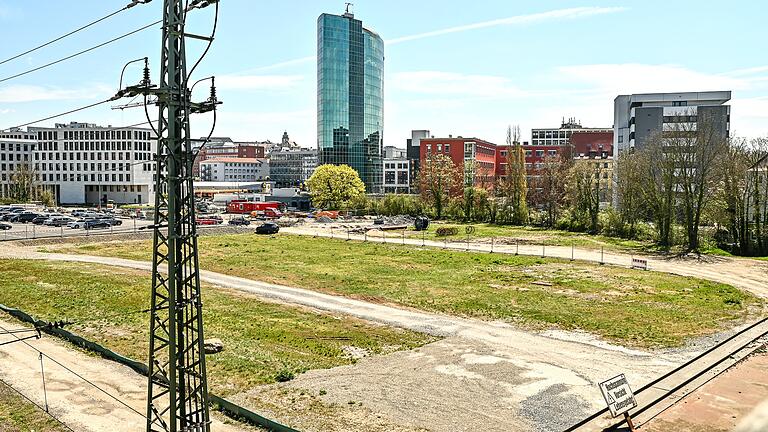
539,236
19,415
263,341
646,309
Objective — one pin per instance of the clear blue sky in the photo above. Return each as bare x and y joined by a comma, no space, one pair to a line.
454,67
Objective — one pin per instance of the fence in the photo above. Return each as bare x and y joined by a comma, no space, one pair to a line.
232,409
470,243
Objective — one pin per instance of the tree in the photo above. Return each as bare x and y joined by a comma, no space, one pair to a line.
656,173
628,192
585,188
514,186
333,187
438,177
694,149
23,183
549,183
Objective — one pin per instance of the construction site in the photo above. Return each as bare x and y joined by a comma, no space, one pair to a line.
165,318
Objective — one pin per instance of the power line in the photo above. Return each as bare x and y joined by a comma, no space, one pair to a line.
124,8
77,375
63,114
37,405
80,52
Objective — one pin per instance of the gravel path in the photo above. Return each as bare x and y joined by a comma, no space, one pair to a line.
484,375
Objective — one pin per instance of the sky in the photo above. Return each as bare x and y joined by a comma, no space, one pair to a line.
452,67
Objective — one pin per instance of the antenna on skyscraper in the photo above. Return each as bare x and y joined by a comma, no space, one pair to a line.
346,11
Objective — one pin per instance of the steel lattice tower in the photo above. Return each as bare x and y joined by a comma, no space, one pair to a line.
177,399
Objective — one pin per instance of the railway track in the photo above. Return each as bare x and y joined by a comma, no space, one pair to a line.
660,394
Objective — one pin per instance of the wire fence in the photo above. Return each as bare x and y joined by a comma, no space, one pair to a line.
470,243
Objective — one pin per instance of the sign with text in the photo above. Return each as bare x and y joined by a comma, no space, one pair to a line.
618,395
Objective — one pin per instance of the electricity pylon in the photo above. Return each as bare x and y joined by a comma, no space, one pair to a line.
177,399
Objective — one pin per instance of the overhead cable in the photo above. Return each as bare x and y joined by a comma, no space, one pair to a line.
8,78
124,8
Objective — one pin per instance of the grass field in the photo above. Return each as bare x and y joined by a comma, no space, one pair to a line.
264,342
19,415
654,309
539,236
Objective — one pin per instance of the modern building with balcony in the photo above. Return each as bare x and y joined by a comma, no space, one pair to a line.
350,96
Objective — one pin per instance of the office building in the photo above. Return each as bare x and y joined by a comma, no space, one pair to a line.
82,163
397,170
225,147
350,96
291,167
475,157
638,117
234,170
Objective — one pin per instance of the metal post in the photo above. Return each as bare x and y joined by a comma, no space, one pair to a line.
492,244
423,238
403,237
42,372
331,232
601,255
61,230
543,251
517,246
348,239
572,251
467,243
365,235
34,231
26,231
134,224
383,236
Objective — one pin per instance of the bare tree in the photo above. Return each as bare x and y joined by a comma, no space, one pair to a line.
694,148
514,185
656,175
549,183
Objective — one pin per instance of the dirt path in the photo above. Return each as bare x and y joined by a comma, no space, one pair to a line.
77,403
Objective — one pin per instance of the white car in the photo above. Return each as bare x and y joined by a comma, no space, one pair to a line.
76,224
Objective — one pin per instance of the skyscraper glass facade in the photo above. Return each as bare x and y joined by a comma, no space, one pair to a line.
350,97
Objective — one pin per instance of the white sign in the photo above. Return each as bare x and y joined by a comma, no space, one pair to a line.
640,263
618,395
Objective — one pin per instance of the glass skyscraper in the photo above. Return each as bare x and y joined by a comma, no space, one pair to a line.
350,97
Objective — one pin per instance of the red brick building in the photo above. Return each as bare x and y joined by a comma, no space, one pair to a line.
477,157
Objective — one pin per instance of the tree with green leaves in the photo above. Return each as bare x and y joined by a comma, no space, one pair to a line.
333,187
438,177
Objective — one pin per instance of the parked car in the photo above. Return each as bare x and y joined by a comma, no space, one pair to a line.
25,217
206,221
5,226
267,228
239,221
112,221
79,223
96,223
41,218
58,221
11,213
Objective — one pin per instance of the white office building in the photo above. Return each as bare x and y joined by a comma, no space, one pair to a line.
397,173
82,163
234,170
637,117
560,136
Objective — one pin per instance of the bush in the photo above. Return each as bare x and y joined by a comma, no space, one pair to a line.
284,375
446,231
